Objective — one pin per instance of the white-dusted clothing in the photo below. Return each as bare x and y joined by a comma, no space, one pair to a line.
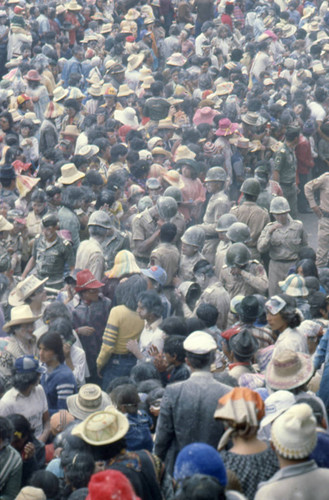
80,367
293,339
151,335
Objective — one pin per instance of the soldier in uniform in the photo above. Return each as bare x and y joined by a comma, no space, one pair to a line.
115,242
285,167
223,224
166,254
54,199
218,205
192,243
283,240
50,254
39,209
241,275
179,219
8,191
322,212
5,259
251,214
17,241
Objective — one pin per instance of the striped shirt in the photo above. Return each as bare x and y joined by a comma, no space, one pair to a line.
58,385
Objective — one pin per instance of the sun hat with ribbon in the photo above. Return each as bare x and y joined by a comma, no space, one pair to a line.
86,281
102,427
294,433
288,369
70,174
226,127
24,290
89,399
20,315
243,409
124,264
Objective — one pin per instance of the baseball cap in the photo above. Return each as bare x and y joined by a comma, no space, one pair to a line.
199,342
28,364
23,98
156,273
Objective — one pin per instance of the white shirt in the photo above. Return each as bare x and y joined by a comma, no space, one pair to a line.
151,335
80,366
292,339
32,407
317,111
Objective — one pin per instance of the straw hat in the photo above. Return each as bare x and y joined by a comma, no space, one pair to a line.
174,179
70,174
176,59
24,290
71,130
89,150
5,225
54,110
106,28
132,15
20,315
60,9
95,90
243,143
288,370
318,69
254,119
160,151
59,94
126,116
183,152
312,27
124,91
307,12
75,93
25,184
144,72
90,399
147,82
103,427
135,60
288,30
124,263
223,88
166,123
73,5
32,116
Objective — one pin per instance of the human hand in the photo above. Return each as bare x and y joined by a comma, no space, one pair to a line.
160,363
318,212
66,350
133,347
29,450
85,331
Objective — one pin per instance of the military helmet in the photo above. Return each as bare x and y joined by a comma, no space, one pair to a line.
238,232
279,205
194,236
238,255
144,203
217,174
175,193
167,207
100,218
251,186
224,222
262,171
264,200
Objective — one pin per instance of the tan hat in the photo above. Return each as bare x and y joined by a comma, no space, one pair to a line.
103,427
95,90
183,152
125,90
126,116
135,60
88,150
70,174
144,72
224,88
4,224
166,123
106,28
176,59
32,116
160,151
59,93
54,110
25,184
149,20
73,5
75,93
318,69
132,15
243,143
31,493
174,179
288,30
70,130
89,399
147,82
60,9
24,290
312,27
288,369
20,315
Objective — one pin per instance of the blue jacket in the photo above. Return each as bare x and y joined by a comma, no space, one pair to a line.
322,351
58,385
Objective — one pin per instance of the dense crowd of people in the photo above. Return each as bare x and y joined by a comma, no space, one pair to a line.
164,313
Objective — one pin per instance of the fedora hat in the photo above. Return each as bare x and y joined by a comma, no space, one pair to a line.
89,150
89,399
243,344
174,179
103,427
33,75
251,118
176,59
288,370
147,82
126,116
71,130
24,290
73,5
288,30
95,90
184,152
124,91
20,315
59,94
205,115
135,60
106,28
5,225
226,127
249,308
70,174
132,15
25,184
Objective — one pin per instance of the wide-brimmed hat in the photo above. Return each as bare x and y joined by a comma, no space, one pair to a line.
166,123
71,130
312,27
124,263
294,285
176,59
88,151
60,9
33,75
95,90
126,116
70,174
205,115
73,5
251,118
226,127
132,15
174,179
184,152
161,151
125,91
223,88
135,60
147,82
53,110
85,280
243,344
103,427
288,370
89,399
20,315
24,290
59,93
106,28
4,224
75,93
288,30
249,308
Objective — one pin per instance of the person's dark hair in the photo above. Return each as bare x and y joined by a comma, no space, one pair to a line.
173,345
152,302
63,327
208,314
289,312
200,361
139,169
72,103
320,94
168,232
309,268
194,324
79,161
118,150
156,88
108,451
105,197
127,292
8,117
22,425
174,325
53,342
39,196
6,429
22,381
54,311
80,470
201,487
203,267
71,196
146,386
143,371
317,302
46,481
101,142
116,181
307,253
79,494
116,382
126,395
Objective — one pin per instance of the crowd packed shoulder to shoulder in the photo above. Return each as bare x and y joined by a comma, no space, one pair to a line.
164,302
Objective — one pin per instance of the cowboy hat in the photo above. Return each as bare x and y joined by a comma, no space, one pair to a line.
103,427
20,315
125,91
24,290
70,174
59,94
89,399
73,5
135,60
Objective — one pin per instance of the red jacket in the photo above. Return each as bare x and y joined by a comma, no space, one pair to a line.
304,157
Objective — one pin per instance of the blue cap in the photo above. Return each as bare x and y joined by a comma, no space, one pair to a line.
156,273
200,458
28,364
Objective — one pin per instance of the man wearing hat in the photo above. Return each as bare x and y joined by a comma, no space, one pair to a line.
90,253
50,254
187,407
8,191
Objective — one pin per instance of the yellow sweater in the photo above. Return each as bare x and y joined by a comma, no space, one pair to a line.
122,325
